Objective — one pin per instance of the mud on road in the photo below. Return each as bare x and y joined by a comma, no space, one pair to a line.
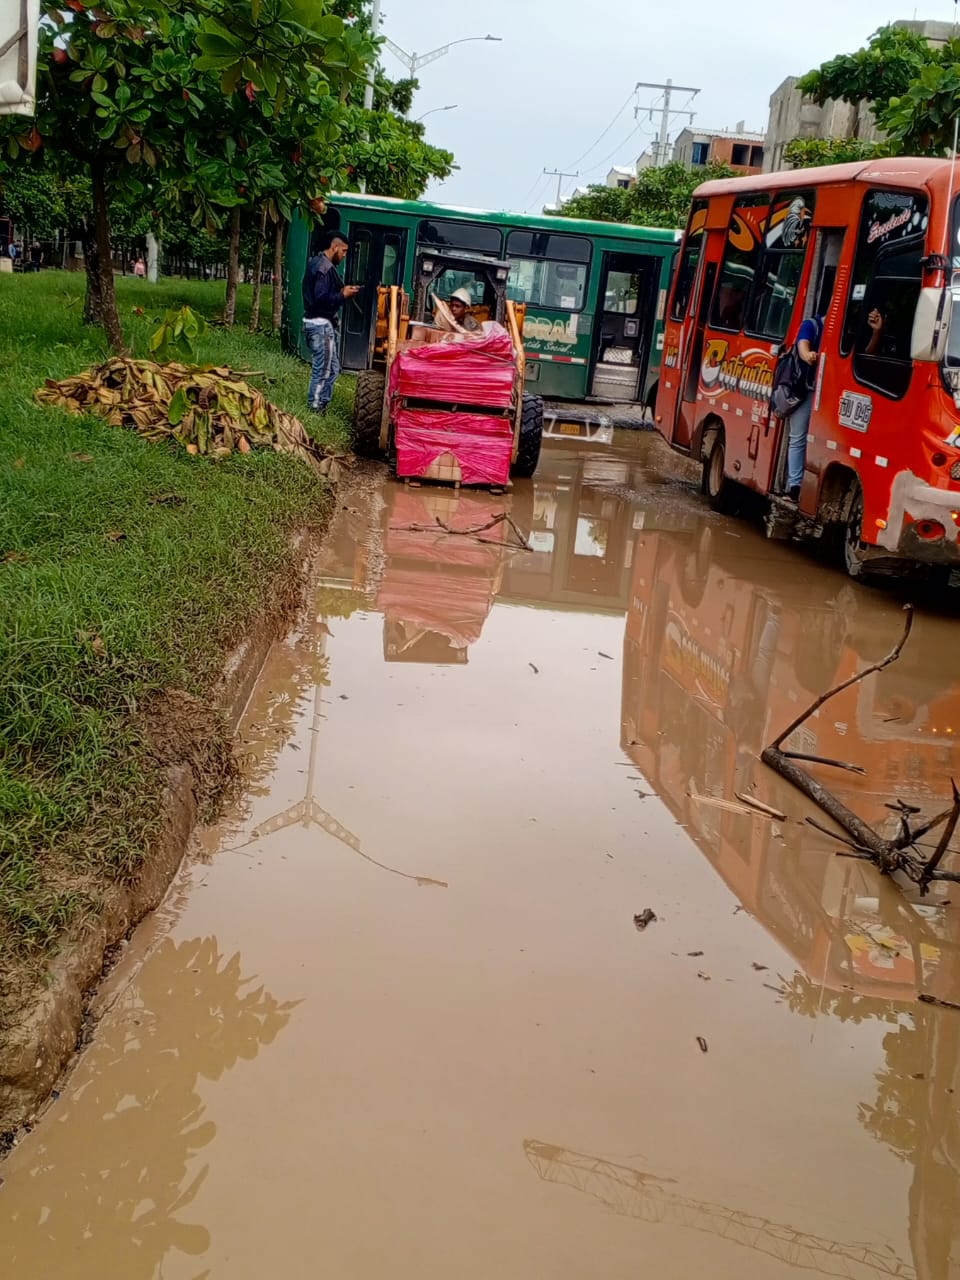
396,1017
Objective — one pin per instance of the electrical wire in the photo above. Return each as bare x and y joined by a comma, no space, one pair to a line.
573,164
618,150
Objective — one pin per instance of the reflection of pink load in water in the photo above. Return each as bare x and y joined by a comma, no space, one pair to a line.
438,587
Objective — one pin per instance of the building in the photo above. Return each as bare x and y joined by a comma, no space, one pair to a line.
622,177
739,148
794,116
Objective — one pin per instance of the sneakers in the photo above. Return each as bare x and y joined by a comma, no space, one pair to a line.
793,493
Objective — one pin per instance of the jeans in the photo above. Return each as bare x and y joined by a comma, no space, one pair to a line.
322,340
799,425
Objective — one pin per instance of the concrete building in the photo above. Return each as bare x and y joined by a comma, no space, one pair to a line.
739,148
621,177
794,116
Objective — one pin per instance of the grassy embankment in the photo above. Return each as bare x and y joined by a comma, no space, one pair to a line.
126,570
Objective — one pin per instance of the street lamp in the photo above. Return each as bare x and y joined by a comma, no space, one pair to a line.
414,61
452,107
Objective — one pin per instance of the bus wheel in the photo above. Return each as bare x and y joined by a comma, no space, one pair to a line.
853,558
368,414
715,484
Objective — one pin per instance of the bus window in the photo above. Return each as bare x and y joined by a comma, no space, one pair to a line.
623,293
740,258
473,236
558,285
884,290
689,262
543,244
781,266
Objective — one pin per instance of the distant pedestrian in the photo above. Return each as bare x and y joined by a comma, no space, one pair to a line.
324,294
12,250
140,268
36,256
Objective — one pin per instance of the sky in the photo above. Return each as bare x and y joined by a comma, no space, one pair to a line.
542,97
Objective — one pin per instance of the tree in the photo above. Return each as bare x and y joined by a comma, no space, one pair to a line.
142,99
808,153
912,86
660,198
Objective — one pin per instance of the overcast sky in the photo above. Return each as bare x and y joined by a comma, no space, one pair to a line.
565,67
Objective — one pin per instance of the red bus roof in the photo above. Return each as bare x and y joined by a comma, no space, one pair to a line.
911,171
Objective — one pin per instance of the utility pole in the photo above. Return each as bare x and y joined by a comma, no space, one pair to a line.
668,90
560,175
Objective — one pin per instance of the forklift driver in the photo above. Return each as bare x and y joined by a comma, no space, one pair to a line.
460,303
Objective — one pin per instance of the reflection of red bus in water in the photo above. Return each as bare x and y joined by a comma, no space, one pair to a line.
714,667
868,247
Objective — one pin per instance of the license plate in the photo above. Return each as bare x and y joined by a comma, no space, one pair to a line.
570,428
855,411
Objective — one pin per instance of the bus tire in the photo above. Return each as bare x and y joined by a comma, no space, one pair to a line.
650,404
368,414
715,485
531,437
852,551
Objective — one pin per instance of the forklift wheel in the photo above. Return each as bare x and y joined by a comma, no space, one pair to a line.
531,436
368,414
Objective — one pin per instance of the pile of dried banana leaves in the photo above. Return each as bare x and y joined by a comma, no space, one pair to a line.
208,411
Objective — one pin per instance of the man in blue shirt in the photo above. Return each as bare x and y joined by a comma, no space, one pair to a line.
324,294
808,349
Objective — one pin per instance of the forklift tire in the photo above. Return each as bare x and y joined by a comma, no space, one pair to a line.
531,437
368,414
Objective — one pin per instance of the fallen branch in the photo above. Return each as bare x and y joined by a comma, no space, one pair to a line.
760,807
473,531
834,764
899,855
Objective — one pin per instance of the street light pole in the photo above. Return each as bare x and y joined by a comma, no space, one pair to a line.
452,107
372,73
414,61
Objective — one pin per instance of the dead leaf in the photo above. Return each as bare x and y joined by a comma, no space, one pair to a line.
759,967
18,464
702,1043
82,457
643,918
165,500
694,953
13,557
115,535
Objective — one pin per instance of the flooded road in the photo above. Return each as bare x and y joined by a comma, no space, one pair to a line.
396,1020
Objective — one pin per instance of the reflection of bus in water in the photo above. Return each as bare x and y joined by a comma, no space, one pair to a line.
714,667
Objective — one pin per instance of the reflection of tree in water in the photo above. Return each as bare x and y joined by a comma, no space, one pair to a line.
808,998
115,1209
895,1116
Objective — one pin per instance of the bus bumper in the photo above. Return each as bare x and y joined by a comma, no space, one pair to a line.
924,522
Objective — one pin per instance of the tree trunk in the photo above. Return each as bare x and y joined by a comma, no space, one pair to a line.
258,272
278,239
92,302
153,258
109,315
233,270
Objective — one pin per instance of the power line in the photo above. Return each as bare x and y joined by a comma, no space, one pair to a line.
638,128
595,144
560,175
529,198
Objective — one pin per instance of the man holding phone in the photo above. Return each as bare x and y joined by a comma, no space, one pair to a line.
324,294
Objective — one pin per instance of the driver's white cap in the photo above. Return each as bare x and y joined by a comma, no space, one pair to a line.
462,295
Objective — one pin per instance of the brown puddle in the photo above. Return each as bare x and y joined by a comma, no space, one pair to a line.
400,1022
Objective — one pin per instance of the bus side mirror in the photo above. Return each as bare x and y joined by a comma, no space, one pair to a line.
931,324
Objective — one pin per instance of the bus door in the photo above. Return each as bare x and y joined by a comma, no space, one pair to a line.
694,336
627,310
376,258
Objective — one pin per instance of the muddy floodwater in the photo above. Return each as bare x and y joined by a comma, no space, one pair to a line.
395,1018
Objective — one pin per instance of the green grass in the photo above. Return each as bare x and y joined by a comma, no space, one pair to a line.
94,628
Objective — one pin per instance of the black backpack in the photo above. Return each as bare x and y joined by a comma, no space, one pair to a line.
790,382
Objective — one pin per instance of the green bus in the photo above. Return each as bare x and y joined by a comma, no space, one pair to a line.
595,291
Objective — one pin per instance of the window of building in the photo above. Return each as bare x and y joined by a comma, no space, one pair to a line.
781,267
700,153
740,155
740,259
884,289
756,157
623,184
448,234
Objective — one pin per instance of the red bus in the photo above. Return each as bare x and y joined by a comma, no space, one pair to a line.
871,248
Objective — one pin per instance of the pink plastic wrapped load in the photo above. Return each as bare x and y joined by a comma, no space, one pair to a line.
414,535
481,444
472,371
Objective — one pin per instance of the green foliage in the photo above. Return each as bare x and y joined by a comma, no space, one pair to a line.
660,198
809,153
176,339
912,85
127,569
